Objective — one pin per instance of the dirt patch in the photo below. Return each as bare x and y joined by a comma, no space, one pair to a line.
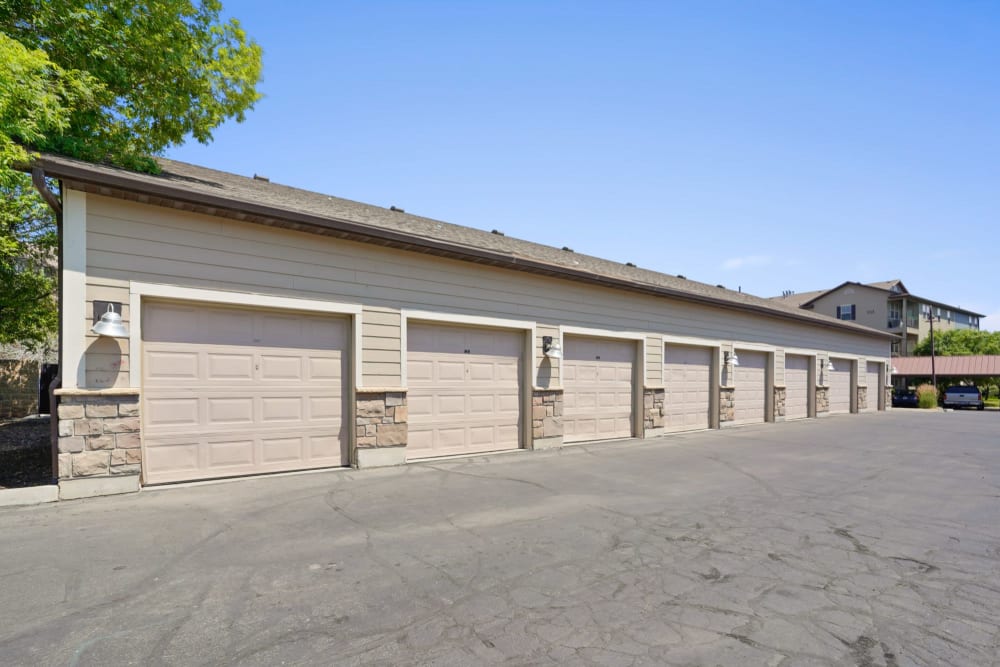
25,452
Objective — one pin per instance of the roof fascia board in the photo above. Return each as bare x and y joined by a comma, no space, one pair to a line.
122,182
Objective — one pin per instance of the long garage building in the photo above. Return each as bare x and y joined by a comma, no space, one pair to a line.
271,329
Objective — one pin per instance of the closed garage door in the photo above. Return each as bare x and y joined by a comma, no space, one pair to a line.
687,374
751,380
874,386
230,391
797,386
464,390
597,389
839,380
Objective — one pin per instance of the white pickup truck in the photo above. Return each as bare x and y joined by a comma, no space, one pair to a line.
960,396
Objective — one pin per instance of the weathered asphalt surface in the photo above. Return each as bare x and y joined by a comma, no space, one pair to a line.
865,540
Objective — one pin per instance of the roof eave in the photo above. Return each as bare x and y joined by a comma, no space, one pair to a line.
365,233
935,303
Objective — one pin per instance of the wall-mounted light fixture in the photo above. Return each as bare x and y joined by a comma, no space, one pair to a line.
551,349
829,366
893,371
111,324
731,358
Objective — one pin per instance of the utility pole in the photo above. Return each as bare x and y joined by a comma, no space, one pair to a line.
930,319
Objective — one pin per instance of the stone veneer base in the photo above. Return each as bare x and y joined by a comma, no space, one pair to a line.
655,432
99,434
546,415
727,405
381,457
381,420
88,487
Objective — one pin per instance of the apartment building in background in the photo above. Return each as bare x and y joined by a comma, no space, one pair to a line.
885,305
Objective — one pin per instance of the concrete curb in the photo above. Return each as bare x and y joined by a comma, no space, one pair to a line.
31,495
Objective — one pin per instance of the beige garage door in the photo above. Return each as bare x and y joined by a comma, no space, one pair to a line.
231,391
597,388
687,374
751,380
797,386
464,390
874,386
839,380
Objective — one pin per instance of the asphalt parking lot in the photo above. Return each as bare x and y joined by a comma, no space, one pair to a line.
857,540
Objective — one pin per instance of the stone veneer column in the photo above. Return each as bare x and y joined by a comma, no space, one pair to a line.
779,404
99,442
727,404
888,398
653,401
822,400
862,399
546,418
380,427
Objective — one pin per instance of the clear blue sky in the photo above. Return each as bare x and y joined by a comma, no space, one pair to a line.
768,145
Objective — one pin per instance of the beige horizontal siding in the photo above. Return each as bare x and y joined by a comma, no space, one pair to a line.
107,359
381,343
779,367
376,369
106,380
654,360
381,359
133,241
382,316
380,356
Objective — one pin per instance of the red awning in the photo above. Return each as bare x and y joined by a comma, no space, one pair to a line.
977,365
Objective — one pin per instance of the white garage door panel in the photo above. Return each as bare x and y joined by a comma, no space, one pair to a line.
750,385
597,388
464,390
839,380
871,376
269,400
687,374
797,386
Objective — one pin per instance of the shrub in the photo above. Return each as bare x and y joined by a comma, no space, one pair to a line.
927,396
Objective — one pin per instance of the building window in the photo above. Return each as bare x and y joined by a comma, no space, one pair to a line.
895,314
846,312
895,348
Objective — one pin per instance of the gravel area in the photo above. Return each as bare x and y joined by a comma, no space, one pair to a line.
25,452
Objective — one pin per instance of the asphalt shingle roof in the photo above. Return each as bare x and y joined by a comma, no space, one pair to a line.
246,198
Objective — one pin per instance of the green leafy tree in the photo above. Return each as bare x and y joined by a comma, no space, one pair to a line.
115,81
161,72
35,98
960,342
27,269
